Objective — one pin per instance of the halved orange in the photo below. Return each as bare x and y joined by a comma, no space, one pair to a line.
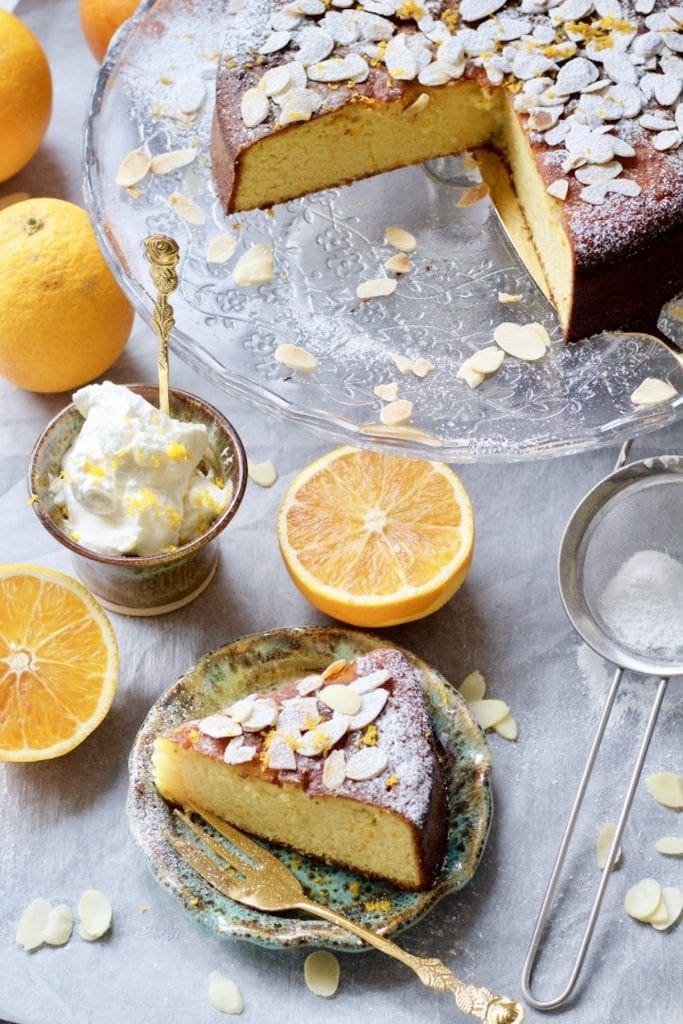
58,663
375,540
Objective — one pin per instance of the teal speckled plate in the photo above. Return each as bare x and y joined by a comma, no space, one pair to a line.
265,661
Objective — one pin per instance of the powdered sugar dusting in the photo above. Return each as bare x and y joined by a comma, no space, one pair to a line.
643,604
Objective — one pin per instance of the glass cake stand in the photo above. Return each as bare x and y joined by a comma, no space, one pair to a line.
446,308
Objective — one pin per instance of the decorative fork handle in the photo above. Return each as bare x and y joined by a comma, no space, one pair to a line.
163,255
477,1001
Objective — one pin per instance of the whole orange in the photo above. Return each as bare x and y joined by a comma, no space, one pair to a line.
63,318
100,19
25,95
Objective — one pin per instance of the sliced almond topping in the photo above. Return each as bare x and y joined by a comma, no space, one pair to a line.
507,727
658,919
263,714
340,698
60,921
32,925
220,726
398,263
487,360
321,973
395,413
221,248
94,910
334,668
281,757
224,994
323,737
12,198
334,770
164,163
673,904
670,846
471,376
365,764
643,899
400,238
376,287
473,687
387,392
241,709
518,341
133,168
666,788
365,684
422,367
418,105
296,358
254,267
186,208
309,684
403,364
238,752
254,107
262,473
372,704
559,188
489,712
473,195
653,391
509,297
605,837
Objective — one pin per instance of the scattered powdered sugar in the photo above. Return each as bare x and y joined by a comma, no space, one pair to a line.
643,604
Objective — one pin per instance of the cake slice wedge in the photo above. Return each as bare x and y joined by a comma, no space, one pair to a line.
342,766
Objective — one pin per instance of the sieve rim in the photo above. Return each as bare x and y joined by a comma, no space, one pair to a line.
570,563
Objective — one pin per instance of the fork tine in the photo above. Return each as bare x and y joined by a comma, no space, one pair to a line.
236,862
227,884
244,843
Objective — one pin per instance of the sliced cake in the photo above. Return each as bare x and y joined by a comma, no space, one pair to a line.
578,101
341,765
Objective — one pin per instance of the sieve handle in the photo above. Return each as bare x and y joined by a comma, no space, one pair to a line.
546,906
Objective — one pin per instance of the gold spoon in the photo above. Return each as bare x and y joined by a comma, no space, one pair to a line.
163,254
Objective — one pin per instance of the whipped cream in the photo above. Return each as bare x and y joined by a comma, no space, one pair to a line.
131,483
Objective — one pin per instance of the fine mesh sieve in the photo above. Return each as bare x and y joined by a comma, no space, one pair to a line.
635,514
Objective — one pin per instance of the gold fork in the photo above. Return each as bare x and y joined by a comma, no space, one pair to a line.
258,879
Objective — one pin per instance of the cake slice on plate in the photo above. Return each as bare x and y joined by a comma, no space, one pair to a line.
341,765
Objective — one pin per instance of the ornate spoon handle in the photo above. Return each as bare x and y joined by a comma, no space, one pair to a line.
477,1001
163,255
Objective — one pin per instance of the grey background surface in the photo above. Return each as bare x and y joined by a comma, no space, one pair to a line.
62,826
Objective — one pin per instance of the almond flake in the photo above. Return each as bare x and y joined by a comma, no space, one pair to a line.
372,705
376,287
396,413
558,188
673,905
387,392
190,94
641,900
670,846
263,714
309,684
133,168
473,195
221,249
164,163
421,367
323,737
487,360
366,684
186,208
471,376
254,107
508,297
281,757
321,973
275,80
418,105
403,364
241,709
60,922
666,788
32,925
658,917
334,668
255,267
12,198
398,263
653,391
341,698
507,727
473,687
489,712
94,911
365,764
133,192
518,341
224,994
334,770
219,726
605,837
296,358
400,238
238,752
262,473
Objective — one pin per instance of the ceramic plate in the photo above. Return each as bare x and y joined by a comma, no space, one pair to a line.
446,308
265,661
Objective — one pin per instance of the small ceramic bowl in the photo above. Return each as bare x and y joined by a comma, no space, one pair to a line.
131,584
